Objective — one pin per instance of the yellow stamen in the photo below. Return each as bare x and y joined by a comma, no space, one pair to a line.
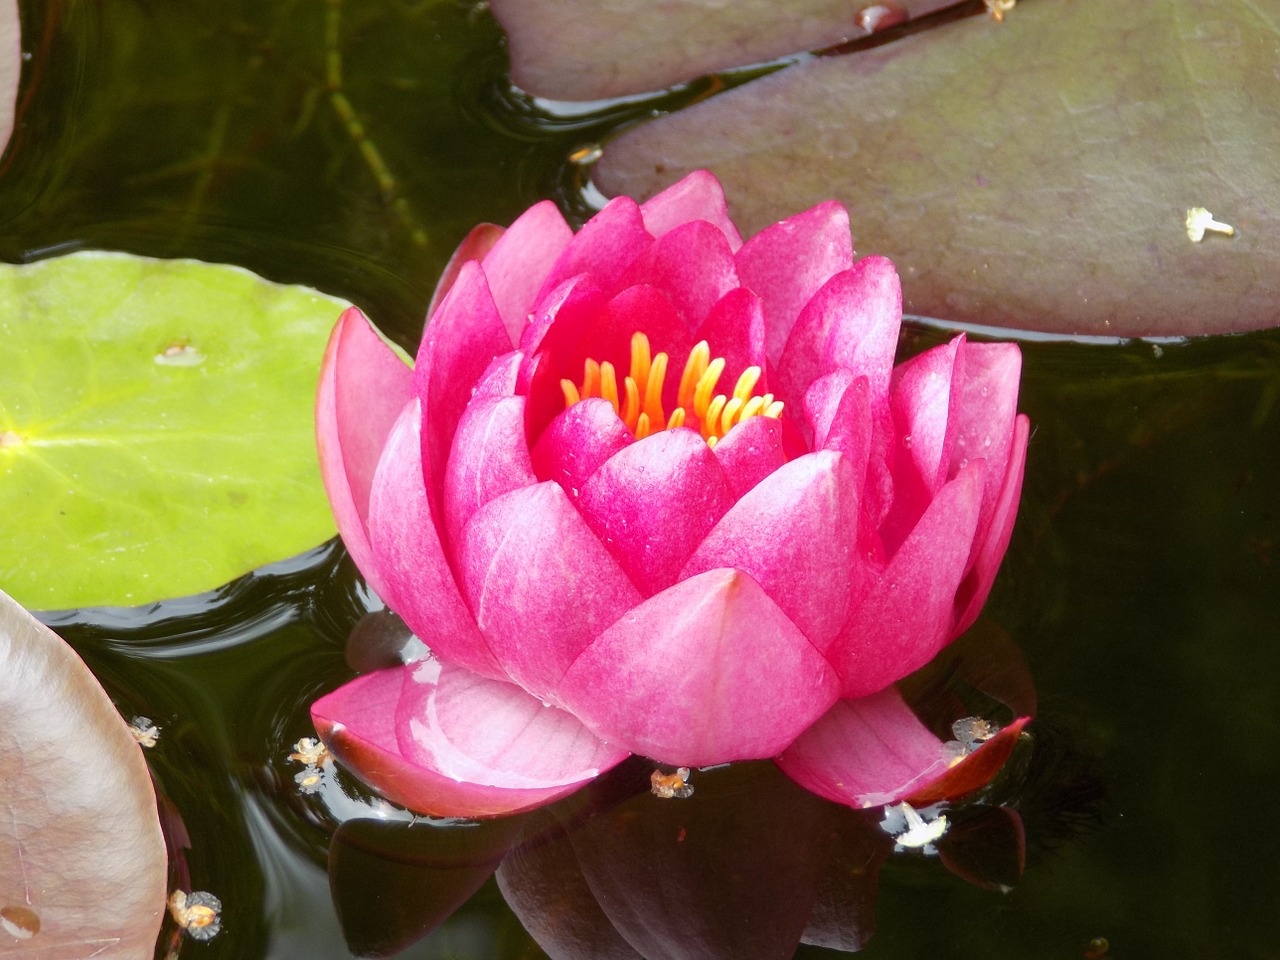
639,403
609,384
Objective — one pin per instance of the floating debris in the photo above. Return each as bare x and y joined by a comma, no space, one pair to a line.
198,913
19,922
180,355
310,751
998,8
1200,220
144,731
670,785
585,156
911,831
1098,949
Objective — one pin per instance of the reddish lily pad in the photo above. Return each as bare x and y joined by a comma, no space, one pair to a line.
587,50
10,66
82,858
1033,174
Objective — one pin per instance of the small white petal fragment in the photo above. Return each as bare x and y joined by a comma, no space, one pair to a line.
669,785
1200,221
180,355
998,8
309,751
910,830
198,913
144,731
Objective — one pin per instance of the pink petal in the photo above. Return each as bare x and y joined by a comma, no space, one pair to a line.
907,616
408,551
462,338
653,502
643,309
787,263
541,585
692,265
795,533
363,387
604,248
474,246
750,452
734,329
708,671
449,744
865,752
973,772
577,442
489,458
501,377
852,322
926,389
985,411
518,264
822,399
698,196
994,539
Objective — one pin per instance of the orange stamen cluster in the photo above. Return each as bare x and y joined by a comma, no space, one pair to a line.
639,400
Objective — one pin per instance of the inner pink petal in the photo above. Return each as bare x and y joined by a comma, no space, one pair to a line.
692,265
697,196
519,262
734,329
489,458
751,451
653,502
604,248
577,443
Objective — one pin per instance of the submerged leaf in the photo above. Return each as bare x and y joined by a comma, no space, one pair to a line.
156,427
588,50
10,66
1034,174
82,858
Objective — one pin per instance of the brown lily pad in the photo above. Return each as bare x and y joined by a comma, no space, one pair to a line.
10,66
1034,174
82,858
590,50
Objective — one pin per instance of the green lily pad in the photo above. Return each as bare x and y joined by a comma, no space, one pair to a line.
156,427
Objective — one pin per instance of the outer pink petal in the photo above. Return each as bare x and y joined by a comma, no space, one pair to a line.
541,585
787,263
692,265
490,457
363,387
985,411
852,322
474,246
577,442
708,671
994,539
907,616
519,263
462,338
751,451
698,196
653,502
604,248
865,752
795,532
546,755
408,551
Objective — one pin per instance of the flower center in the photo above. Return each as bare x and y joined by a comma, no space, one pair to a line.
639,402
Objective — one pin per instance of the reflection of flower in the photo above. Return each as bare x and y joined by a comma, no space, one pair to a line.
654,490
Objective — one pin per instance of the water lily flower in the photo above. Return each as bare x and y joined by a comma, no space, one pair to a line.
652,489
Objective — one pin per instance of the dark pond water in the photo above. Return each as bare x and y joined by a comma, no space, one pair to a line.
1142,585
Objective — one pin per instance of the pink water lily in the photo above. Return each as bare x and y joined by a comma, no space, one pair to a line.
651,489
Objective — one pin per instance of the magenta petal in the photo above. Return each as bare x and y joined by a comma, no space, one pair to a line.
458,763
708,671
852,322
363,387
653,502
408,551
750,452
501,377
490,457
865,752
734,329
787,263
990,549
462,338
907,616
698,196
821,401
692,265
604,248
577,443
474,246
541,585
519,262
795,532
985,410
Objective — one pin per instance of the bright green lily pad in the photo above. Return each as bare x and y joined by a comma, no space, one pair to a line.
156,427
